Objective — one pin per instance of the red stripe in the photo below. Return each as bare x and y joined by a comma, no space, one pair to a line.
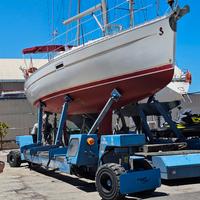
90,98
107,81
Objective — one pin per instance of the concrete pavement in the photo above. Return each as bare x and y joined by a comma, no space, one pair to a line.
25,184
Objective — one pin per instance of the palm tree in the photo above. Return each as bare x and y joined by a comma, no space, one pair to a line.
3,132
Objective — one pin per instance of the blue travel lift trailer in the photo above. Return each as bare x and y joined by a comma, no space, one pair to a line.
111,162
175,154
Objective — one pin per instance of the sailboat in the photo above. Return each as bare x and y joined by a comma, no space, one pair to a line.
177,89
138,62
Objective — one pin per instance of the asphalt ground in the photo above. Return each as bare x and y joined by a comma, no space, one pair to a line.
25,184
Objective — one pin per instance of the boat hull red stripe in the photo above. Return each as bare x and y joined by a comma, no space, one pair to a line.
90,98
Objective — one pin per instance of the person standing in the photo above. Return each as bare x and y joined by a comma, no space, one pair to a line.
34,132
47,128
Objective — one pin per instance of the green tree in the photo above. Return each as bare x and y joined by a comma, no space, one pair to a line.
3,132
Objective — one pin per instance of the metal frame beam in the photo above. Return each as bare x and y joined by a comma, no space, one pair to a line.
62,120
146,128
39,130
115,95
168,119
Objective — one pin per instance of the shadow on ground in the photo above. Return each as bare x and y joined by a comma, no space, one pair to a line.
77,182
90,187
178,182
145,195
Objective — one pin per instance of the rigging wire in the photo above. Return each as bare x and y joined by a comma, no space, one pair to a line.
78,22
91,18
60,11
144,11
48,18
157,8
82,35
93,31
69,8
53,28
69,25
62,15
115,13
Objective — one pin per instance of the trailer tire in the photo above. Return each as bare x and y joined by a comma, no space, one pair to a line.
108,181
14,159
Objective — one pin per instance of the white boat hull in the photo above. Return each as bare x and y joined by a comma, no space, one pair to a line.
175,90
139,62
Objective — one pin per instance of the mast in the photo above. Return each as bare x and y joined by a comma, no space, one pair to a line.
104,12
78,22
101,6
158,7
131,13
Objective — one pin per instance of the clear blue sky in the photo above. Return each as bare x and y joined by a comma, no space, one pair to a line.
25,23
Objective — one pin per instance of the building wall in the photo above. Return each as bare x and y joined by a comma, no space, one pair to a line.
12,86
193,103
19,115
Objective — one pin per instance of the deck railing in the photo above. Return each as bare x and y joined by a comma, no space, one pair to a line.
119,20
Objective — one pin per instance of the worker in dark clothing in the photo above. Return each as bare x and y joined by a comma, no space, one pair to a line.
65,134
55,128
47,129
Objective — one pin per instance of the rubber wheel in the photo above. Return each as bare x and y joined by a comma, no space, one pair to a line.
14,159
108,182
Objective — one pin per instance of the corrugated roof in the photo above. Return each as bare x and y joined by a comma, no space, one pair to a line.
9,68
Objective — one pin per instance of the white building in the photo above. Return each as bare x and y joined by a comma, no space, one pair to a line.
15,110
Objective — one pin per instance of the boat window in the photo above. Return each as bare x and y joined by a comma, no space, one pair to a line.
59,66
